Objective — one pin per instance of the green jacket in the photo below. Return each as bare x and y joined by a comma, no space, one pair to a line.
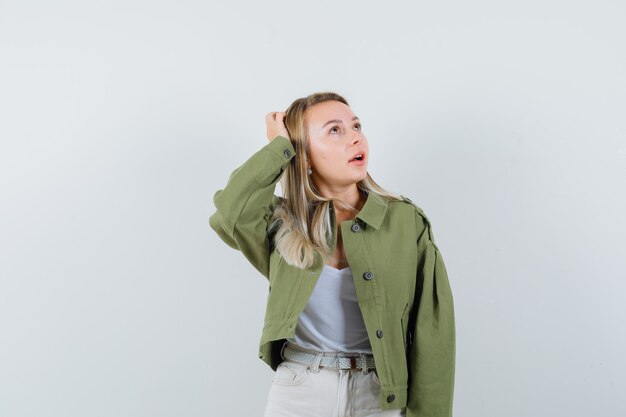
399,274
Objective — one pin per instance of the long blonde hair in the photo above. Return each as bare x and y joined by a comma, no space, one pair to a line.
301,223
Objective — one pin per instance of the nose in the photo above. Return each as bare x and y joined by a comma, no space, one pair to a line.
356,138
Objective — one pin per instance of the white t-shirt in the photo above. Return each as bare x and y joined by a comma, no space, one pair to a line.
332,320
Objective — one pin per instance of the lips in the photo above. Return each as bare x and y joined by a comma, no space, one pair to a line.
358,159
359,155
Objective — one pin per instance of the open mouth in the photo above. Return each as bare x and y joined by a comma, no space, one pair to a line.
359,157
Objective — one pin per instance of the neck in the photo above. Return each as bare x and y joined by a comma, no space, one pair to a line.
353,197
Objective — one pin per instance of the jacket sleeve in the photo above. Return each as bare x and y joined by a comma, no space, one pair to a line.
432,353
245,205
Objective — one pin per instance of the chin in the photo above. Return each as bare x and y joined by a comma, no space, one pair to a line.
361,177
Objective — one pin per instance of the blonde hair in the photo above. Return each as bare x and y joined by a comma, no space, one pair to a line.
301,223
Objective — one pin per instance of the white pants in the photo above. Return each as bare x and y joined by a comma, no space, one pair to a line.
298,391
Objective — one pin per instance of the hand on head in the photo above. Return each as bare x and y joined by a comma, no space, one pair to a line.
275,123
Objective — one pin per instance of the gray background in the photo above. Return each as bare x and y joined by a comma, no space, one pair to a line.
119,120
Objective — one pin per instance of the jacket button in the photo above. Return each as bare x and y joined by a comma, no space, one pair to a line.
379,333
390,398
368,275
287,153
356,227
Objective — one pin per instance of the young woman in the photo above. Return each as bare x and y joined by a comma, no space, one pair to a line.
359,318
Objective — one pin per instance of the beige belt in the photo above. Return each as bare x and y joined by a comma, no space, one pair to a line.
338,360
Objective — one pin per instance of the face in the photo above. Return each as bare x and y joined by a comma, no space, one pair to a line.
335,138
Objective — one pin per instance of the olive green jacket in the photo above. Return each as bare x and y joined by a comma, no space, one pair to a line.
399,275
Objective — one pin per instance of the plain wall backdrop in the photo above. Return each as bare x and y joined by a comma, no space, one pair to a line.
505,121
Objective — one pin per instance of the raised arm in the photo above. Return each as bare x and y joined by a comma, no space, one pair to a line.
244,206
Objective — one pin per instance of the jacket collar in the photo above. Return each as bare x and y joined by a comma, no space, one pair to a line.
374,210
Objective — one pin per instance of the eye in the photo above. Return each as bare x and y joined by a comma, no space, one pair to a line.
334,129
357,126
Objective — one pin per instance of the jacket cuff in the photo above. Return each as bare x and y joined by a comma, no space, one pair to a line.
282,148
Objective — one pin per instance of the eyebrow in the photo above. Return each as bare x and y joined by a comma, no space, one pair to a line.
337,121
